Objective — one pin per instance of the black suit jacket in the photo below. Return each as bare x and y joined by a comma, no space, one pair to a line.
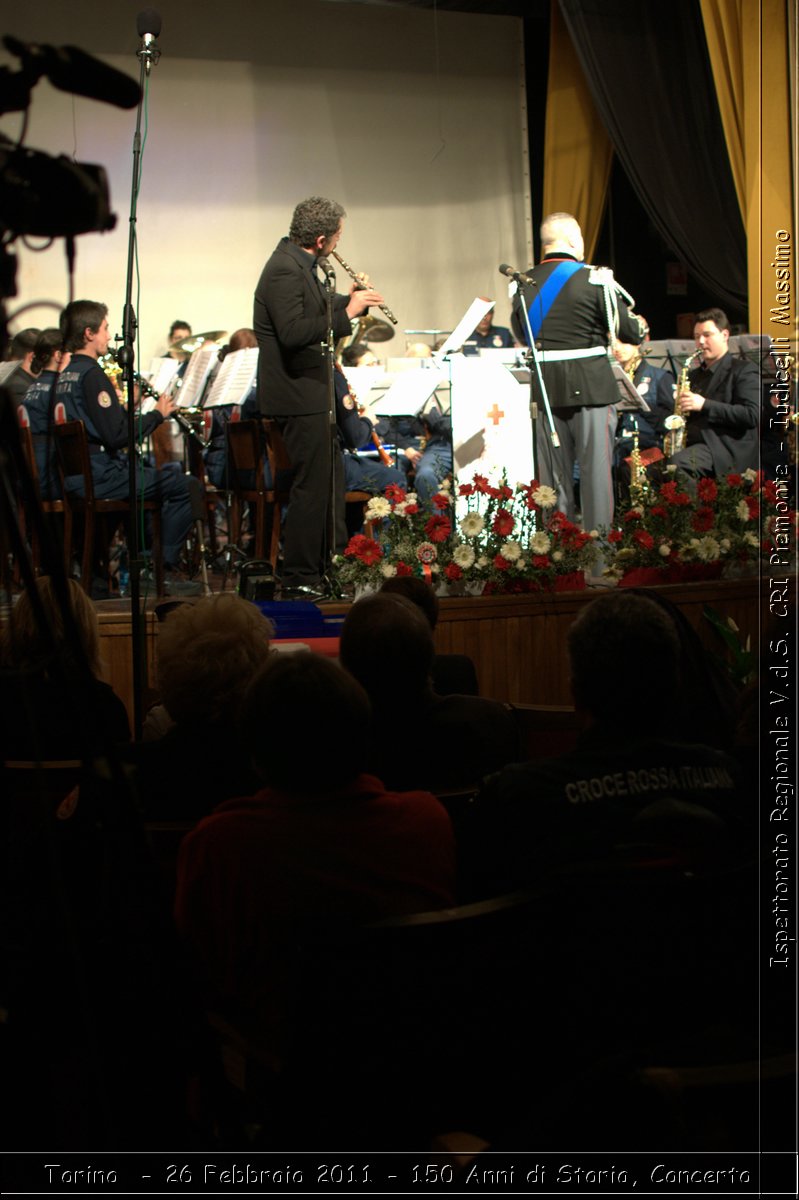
729,419
290,322
575,321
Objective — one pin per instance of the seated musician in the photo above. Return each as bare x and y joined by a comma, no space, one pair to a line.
21,351
89,396
721,405
656,387
49,359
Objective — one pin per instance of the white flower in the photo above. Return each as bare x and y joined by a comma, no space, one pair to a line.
472,524
540,543
463,556
482,561
399,508
594,533
731,625
664,549
411,498
377,508
725,544
672,467
387,570
742,510
749,474
512,551
547,497
636,508
751,539
522,563
707,549
557,556
445,485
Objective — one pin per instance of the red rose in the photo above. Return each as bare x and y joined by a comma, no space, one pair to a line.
465,489
453,571
707,490
501,563
753,504
438,529
503,522
702,520
540,562
411,510
770,491
615,535
658,511
735,480
644,539
404,569
631,516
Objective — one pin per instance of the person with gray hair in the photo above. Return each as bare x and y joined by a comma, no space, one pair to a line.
576,313
292,324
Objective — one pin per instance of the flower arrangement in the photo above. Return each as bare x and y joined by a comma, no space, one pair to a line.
409,540
514,540
508,540
682,535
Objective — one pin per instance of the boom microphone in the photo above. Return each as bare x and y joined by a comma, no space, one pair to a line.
516,276
148,27
72,70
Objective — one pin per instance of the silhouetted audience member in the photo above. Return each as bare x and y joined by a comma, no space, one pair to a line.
629,783
419,739
322,845
45,713
452,673
209,651
21,351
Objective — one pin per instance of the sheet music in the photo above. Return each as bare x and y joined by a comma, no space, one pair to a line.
162,372
409,393
234,379
467,324
197,372
630,399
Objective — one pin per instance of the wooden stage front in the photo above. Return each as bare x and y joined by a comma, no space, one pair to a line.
518,643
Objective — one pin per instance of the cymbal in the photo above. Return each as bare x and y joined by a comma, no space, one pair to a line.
189,345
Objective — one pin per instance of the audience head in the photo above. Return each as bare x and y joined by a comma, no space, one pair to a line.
27,645
78,319
560,231
418,350
305,691
619,645
242,339
313,219
208,652
417,591
387,644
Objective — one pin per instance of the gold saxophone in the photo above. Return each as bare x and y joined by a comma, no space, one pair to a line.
674,439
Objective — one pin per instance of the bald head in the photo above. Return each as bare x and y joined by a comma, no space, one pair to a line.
560,232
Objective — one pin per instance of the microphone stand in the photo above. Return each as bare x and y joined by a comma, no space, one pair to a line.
534,367
126,358
329,351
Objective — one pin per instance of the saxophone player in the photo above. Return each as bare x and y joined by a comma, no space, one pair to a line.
721,404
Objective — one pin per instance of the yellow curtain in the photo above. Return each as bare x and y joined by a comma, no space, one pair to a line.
754,70
577,151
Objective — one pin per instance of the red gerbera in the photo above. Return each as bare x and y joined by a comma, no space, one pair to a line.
615,535
770,491
480,483
438,529
707,490
453,571
502,564
465,489
735,480
631,515
364,548
644,539
753,504
503,522
540,561
404,569
702,520
440,500
395,493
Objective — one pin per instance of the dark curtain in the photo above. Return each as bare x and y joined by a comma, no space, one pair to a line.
648,69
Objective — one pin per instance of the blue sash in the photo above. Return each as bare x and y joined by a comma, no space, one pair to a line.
546,295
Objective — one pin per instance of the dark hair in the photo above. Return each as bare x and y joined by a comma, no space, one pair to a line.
48,341
178,325
417,591
717,315
351,354
22,343
616,641
313,218
242,339
387,644
306,691
76,318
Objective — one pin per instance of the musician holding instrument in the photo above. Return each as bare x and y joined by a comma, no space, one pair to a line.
89,396
291,325
720,404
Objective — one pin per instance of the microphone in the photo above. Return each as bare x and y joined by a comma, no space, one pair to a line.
72,70
516,276
148,27
327,267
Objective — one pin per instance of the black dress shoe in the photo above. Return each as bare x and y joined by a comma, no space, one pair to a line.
313,594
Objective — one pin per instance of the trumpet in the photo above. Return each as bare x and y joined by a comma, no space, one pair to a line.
354,275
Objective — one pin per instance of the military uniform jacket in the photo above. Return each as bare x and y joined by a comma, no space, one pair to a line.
729,419
290,322
575,321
